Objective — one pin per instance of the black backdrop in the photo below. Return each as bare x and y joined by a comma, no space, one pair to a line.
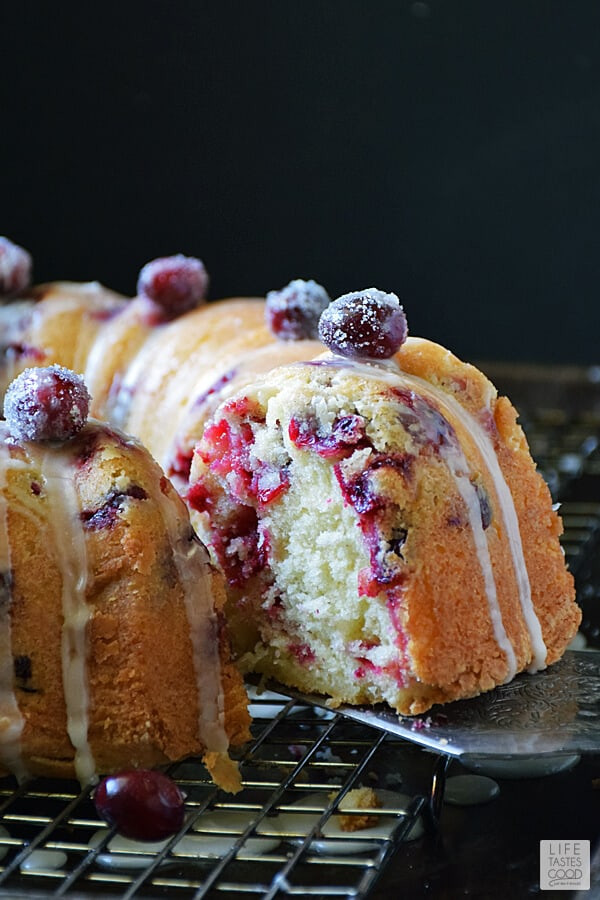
448,151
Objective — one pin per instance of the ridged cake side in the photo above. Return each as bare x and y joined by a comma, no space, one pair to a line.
114,649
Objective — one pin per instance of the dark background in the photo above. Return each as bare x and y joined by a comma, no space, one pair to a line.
448,151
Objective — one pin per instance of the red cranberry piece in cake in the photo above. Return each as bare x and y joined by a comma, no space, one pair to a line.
46,404
106,515
15,269
175,283
367,323
293,313
347,434
484,504
142,804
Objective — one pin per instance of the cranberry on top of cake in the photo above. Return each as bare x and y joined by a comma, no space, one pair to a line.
46,404
368,323
173,284
15,269
292,313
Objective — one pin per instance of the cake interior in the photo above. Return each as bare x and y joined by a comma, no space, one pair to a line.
304,493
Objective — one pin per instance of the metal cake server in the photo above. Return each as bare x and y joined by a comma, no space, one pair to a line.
553,712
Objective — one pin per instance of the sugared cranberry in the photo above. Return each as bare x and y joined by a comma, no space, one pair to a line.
175,283
293,313
367,323
15,268
143,804
46,404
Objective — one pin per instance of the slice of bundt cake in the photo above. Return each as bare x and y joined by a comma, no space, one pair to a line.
113,651
382,527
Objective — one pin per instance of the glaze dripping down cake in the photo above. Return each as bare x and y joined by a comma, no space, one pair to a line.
112,639
376,513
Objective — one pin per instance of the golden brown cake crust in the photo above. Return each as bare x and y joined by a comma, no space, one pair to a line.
141,682
539,524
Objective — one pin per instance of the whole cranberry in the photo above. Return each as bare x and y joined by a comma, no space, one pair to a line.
15,268
293,312
48,403
367,323
175,283
142,804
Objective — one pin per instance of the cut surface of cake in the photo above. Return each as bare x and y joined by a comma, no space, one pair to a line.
113,646
383,530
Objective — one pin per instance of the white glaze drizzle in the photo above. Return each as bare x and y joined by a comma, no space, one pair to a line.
12,329
471,500
391,373
71,558
118,407
123,328
11,720
511,524
192,563
107,337
189,557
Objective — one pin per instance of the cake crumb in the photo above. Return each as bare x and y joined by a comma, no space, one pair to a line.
223,771
359,798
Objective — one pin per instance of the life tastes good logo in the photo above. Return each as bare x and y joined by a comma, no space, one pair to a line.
564,865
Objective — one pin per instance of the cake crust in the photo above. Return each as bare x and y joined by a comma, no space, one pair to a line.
131,633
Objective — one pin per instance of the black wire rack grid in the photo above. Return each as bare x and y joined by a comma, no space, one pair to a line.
298,768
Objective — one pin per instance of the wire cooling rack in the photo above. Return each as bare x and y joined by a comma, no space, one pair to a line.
278,837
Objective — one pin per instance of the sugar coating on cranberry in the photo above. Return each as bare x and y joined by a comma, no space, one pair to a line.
293,312
367,323
46,404
143,804
15,268
175,283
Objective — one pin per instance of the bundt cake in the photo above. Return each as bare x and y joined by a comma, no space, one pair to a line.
382,528
113,648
